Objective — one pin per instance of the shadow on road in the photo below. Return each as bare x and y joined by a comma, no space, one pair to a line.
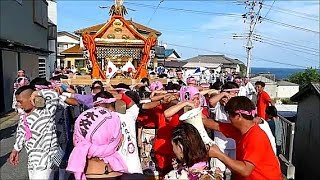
8,132
3,159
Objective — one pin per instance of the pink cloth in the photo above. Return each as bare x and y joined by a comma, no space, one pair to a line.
188,92
156,85
26,127
97,133
40,87
104,101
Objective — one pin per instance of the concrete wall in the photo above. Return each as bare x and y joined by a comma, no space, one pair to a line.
52,58
286,91
52,11
17,24
307,141
9,73
271,89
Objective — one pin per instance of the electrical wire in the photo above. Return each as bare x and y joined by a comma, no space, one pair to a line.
186,10
285,47
155,10
294,12
237,55
287,43
269,8
289,25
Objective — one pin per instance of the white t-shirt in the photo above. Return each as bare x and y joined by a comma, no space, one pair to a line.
222,141
129,148
250,90
242,91
266,128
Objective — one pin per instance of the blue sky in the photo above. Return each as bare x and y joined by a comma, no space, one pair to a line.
212,33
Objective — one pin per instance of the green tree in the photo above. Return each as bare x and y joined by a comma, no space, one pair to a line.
307,76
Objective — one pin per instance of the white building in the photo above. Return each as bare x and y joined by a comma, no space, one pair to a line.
65,41
286,89
50,62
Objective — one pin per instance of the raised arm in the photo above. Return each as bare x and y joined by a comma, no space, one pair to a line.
176,108
210,124
214,99
243,168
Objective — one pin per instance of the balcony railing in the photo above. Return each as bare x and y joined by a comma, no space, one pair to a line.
286,153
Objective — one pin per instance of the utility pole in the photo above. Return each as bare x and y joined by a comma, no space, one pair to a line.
252,17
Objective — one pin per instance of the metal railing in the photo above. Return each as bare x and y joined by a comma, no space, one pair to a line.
286,153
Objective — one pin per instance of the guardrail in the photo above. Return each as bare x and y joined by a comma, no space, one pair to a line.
286,153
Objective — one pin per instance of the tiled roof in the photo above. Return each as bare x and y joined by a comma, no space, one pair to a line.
140,28
214,59
312,88
173,64
286,83
73,50
168,52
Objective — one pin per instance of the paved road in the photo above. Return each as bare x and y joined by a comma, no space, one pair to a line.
7,171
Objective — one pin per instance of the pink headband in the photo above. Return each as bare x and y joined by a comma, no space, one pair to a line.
157,85
104,101
205,85
172,91
249,113
234,89
191,80
40,87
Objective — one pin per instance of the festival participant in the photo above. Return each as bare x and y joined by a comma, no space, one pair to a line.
275,126
189,97
242,88
180,78
63,128
266,128
218,102
263,100
36,132
192,154
249,88
255,158
129,148
97,137
85,100
21,80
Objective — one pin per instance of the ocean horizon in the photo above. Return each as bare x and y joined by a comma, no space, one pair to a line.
280,73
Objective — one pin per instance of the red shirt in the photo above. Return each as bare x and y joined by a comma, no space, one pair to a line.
263,102
165,128
254,147
148,118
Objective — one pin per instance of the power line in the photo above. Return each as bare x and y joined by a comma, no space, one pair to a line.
288,43
186,10
269,9
287,48
236,55
289,25
276,62
293,12
155,10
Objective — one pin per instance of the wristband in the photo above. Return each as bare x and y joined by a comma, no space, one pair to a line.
64,87
126,99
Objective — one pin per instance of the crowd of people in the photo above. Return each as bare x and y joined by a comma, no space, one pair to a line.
134,132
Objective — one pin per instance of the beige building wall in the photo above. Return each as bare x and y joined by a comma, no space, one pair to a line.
287,91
